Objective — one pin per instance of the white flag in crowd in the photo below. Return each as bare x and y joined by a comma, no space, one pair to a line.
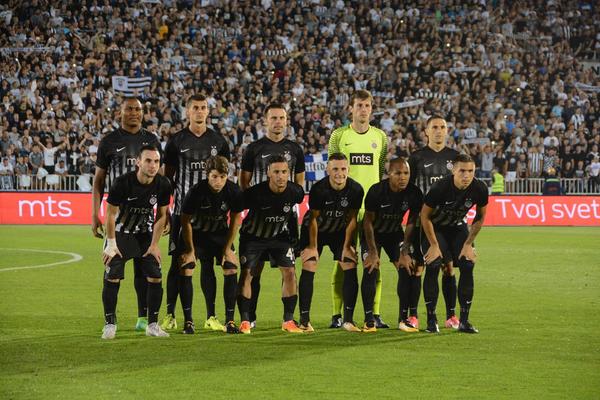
131,86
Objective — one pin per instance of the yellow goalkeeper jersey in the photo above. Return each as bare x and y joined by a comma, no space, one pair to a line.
366,153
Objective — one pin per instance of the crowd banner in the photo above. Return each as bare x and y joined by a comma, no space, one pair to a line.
130,86
315,166
76,208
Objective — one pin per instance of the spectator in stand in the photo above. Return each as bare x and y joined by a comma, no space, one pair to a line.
6,174
512,70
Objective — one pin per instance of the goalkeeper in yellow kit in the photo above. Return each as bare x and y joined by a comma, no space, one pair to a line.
366,149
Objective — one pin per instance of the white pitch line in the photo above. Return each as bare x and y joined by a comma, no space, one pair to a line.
74,258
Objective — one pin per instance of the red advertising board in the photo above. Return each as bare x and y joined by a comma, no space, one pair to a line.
76,208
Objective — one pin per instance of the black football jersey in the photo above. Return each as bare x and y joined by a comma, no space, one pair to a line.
451,205
136,202
187,154
390,207
118,151
210,210
428,166
268,212
256,158
334,205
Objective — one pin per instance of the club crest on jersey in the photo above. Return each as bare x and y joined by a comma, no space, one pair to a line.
287,156
374,145
153,200
344,202
449,165
468,203
286,208
213,151
404,206
224,206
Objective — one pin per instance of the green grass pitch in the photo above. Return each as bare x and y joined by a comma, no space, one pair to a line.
537,293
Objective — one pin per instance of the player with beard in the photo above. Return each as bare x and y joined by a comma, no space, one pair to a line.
185,165
117,154
427,166
132,231
254,170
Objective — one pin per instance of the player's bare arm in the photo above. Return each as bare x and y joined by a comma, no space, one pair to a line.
310,253
372,261
110,249
349,252
189,255
97,193
434,251
234,227
159,226
467,250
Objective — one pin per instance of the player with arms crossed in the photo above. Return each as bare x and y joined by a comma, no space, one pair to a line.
265,233
132,231
185,165
386,204
447,236
365,146
206,236
117,155
255,163
427,166
334,202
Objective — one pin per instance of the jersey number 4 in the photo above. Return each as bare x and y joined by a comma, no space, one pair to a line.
290,254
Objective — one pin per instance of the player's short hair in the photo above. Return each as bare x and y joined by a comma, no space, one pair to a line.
195,97
277,158
399,160
147,147
463,158
337,156
276,106
360,94
434,116
217,163
132,98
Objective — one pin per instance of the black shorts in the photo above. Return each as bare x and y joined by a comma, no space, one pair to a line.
253,251
174,248
390,242
133,246
451,240
334,240
207,245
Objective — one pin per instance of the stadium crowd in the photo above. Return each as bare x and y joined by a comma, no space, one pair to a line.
517,81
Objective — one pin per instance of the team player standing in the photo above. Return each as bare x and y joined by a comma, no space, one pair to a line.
207,213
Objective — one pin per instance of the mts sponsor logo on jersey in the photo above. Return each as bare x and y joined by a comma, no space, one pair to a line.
361,158
434,179
198,166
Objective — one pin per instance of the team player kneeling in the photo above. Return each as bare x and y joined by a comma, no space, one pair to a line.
210,218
